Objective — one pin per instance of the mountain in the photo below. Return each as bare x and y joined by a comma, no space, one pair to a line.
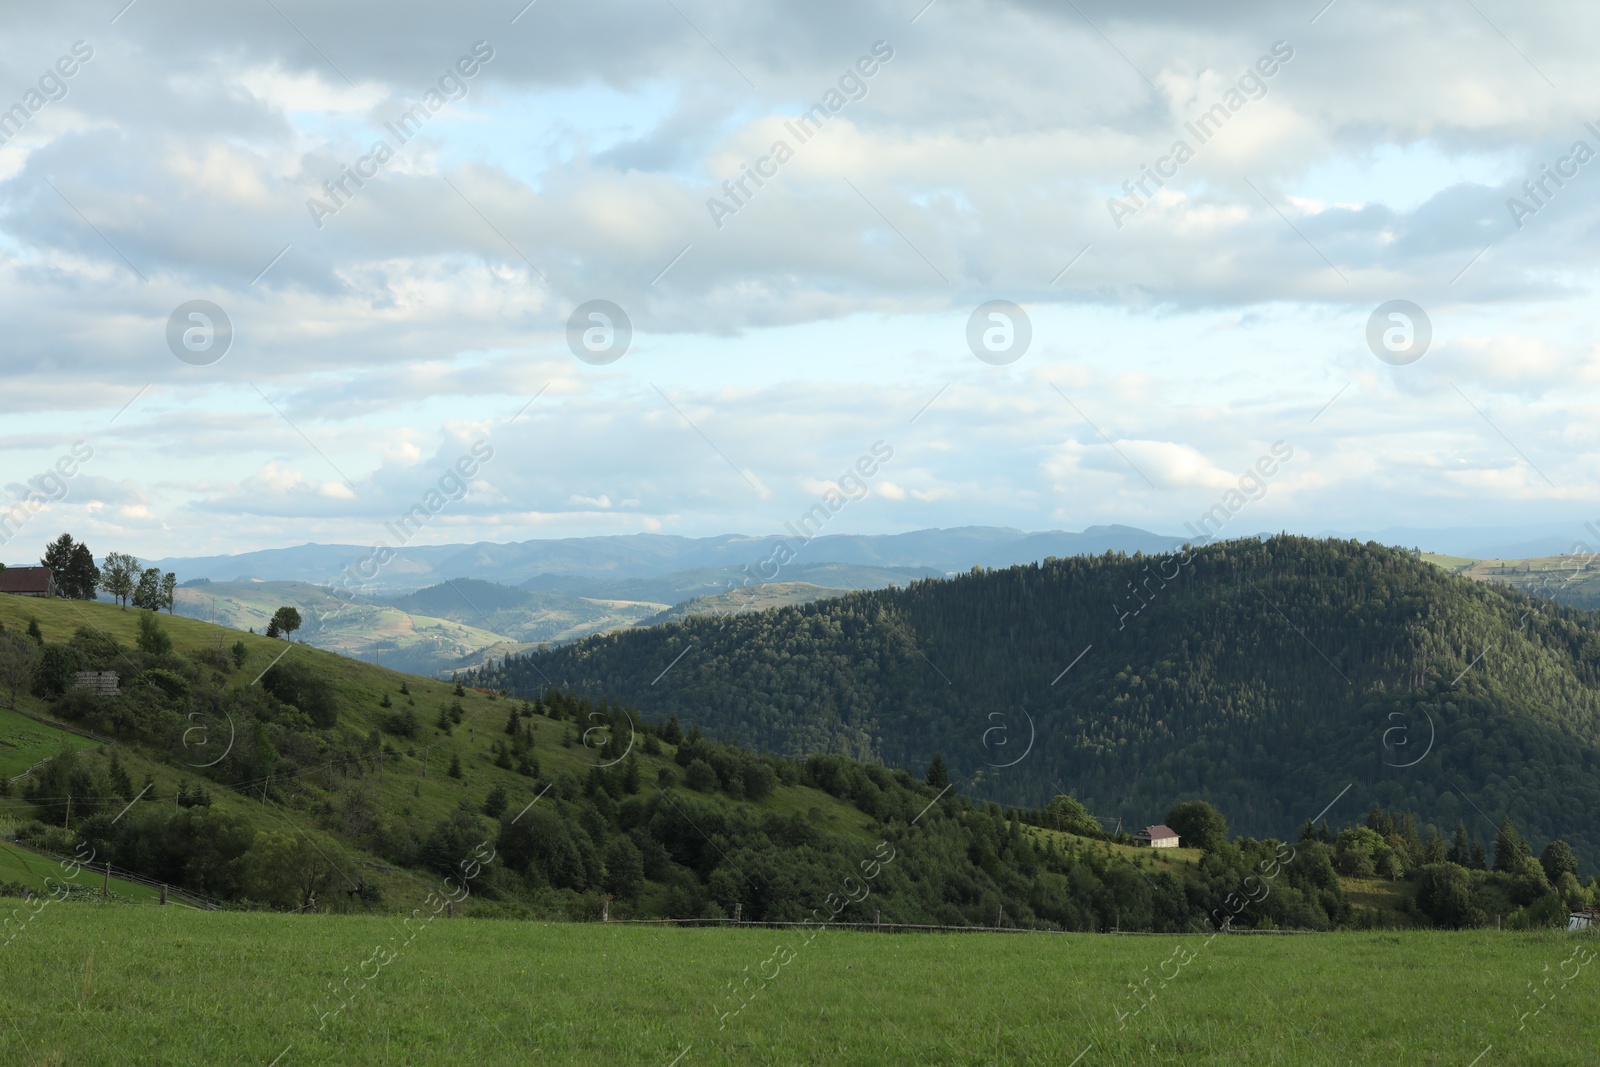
680,587
1265,677
627,556
254,771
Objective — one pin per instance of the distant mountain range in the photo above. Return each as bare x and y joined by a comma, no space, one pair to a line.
654,556
668,568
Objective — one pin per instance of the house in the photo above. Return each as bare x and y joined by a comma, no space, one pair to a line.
1158,836
28,581
1584,918
100,683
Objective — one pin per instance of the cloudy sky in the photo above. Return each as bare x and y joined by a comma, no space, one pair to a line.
514,164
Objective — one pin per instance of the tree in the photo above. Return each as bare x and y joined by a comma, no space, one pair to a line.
147,590
119,575
1460,850
455,766
1199,825
17,661
672,733
494,805
34,631
624,868
938,775
1067,813
169,590
1557,859
241,652
286,621
153,640
58,557
83,577
1509,848
1478,860
700,776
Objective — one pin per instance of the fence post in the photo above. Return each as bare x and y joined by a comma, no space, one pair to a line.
105,888
163,896
605,911
738,910
877,917
449,909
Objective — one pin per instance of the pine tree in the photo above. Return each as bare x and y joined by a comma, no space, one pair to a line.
1478,860
938,774
513,720
455,766
1460,851
494,805
1509,848
672,733
34,632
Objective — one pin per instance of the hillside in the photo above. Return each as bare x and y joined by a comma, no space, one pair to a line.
251,770
1264,677
1573,579
407,640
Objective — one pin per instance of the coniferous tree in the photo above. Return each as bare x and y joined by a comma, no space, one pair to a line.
1460,851
83,574
1478,860
58,557
938,774
1509,848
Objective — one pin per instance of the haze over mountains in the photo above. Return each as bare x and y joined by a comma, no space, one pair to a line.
578,565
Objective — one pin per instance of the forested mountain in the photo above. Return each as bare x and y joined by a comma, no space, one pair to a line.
1262,676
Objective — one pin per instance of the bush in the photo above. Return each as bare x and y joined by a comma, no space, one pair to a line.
700,777
302,687
402,723
57,665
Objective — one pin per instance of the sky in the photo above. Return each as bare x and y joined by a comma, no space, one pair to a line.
544,305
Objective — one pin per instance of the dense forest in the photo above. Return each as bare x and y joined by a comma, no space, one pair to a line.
566,807
1263,676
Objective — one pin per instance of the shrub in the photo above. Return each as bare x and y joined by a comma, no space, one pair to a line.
700,777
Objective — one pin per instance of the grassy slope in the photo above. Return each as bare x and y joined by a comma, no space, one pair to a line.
88,984
404,790
351,629
24,742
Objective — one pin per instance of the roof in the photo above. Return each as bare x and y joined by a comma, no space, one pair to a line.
1157,831
26,580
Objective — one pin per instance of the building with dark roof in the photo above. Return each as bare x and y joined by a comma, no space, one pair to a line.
28,581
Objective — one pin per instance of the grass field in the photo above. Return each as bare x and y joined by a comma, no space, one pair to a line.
95,984
24,742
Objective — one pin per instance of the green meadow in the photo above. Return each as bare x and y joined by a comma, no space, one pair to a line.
94,984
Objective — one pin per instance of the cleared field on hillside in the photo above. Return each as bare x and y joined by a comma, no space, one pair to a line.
104,984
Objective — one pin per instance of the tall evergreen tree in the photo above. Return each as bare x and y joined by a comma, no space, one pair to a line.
1478,860
58,557
938,774
83,574
1509,848
1460,851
